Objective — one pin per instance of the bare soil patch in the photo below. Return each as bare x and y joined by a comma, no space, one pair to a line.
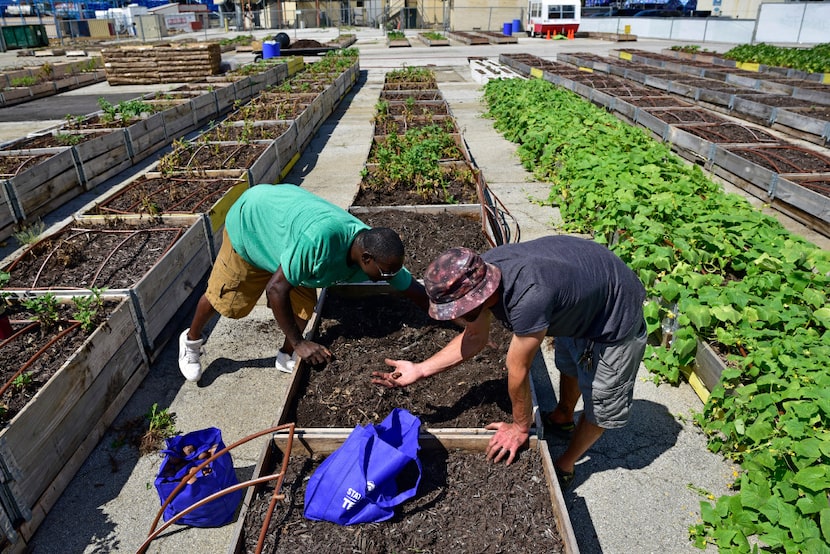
14,165
212,156
33,354
169,194
113,255
464,504
731,133
785,159
361,332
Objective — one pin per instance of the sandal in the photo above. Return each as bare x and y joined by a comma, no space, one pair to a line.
565,478
561,430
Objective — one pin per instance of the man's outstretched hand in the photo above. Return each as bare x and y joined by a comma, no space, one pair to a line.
403,374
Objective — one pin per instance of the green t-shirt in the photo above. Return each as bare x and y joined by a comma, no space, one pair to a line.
284,225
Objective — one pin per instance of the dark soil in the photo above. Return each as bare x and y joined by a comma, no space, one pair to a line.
244,133
658,102
418,108
41,352
55,141
361,332
464,504
305,86
816,112
97,122
426,236
14,165
458,185
785,159
400,96
169,194
686,115
625,91
197,157
819,185
731,133
282,110
114,255
305,43
777,100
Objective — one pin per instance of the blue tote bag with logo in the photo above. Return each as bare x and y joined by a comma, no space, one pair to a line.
357,483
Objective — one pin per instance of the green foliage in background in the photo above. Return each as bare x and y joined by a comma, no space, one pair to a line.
728,275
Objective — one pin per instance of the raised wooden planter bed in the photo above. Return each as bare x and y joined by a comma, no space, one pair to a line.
45,444
438,450
257,159
398,43
768,183
45,179
166,279
99,154
433,41
716,59
152,193
494,37
63,77
202,103
732,100
779,189
470,39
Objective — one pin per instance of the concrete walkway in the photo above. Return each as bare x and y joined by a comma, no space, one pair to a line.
637,490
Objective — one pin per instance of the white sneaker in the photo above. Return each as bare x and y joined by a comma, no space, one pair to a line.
286,363
190,352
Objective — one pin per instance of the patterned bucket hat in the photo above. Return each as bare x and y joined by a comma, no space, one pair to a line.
458,281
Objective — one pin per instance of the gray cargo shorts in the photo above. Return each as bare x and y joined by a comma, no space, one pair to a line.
606,373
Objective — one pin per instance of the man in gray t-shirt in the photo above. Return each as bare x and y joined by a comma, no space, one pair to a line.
570,288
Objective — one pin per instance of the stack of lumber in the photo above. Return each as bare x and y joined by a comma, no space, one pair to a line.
165,63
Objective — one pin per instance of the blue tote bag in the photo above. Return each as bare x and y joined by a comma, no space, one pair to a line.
357,483
185,452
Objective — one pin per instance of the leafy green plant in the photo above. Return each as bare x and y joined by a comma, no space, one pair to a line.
716,270
45,309
22,381
161,425
69,139
432,35
26,81
411,160
46,70
29,234
409,74
126,110
89,310
814,60
395,35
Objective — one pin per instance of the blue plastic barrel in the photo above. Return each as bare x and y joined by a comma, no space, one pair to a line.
517,26
507,29
270,49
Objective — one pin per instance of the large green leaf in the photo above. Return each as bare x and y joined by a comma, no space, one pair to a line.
813,478
822,315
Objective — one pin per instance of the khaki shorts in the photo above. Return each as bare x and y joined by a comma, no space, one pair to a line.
235,286
606,374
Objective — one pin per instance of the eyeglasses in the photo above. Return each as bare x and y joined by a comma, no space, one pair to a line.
384,274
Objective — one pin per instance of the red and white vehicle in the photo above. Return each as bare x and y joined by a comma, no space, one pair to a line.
557,17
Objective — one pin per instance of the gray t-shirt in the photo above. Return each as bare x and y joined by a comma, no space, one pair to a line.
570,286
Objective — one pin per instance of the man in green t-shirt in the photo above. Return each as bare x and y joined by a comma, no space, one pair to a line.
287,242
